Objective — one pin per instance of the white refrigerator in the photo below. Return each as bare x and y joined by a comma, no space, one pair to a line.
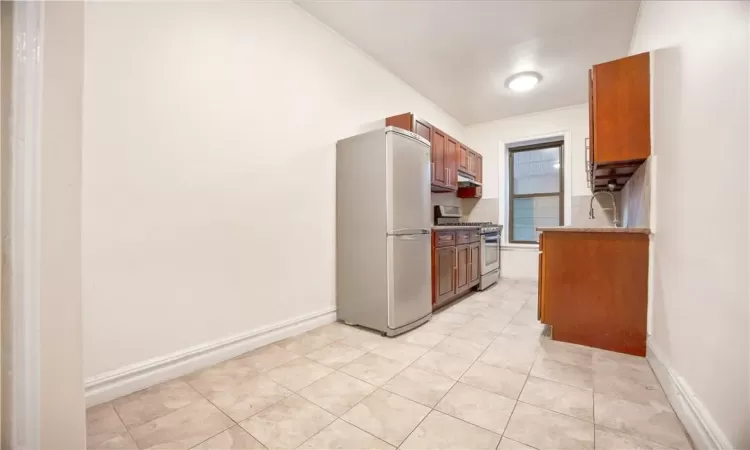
383,279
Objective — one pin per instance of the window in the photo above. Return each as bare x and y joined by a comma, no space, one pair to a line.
536,189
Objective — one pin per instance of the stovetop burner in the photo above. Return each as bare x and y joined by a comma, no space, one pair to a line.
467,224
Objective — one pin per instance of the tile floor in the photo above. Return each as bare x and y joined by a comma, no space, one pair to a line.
479,375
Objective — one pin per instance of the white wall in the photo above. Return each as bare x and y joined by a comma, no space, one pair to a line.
208,172
700,137
488,138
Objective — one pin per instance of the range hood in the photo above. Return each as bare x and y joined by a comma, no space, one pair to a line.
464,181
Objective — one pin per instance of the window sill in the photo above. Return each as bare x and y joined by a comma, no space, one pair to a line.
522,247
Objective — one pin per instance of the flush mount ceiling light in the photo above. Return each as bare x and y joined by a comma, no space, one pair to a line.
523,81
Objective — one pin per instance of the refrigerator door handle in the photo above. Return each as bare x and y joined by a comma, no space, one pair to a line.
408,231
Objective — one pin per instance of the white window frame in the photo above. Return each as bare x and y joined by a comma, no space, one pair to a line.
504,170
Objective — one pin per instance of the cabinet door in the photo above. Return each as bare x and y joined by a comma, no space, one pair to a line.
462,268
451,162
438,157
474,264
622,121
463,158
423,129
478,174
445,267
592,117
540,289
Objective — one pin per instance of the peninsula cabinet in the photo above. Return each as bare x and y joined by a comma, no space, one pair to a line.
619,120
593,287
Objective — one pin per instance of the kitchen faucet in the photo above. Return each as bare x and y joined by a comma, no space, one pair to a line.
611,186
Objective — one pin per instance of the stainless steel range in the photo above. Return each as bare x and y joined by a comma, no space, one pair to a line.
450,216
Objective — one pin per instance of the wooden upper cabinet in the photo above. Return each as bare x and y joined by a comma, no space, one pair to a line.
439,170
463,158
423,129
620,110
451,162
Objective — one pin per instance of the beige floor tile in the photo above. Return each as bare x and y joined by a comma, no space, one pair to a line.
547,430
514,355
149,404
423,387
247,398
336,331
434,326
522,332
298,373
337,392
484,409
447,316
103,425
443,364
304,343
266,358
566,353
440,431
335,355
510,444
344,436
630,388
365,340
459,347
568,400
569,374
650,422
495,379
234,438
183,428
220,377
421,338
468,307
373,369
495,324
611,440
287,424
397,351
120,441
477,336
387,416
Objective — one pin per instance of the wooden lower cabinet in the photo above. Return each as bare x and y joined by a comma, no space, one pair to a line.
462,269
444,281
474,263
455,268
593,288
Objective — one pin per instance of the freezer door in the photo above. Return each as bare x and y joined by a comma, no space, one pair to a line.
409,290
407,184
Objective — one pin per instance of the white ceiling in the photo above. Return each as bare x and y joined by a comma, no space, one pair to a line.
459,53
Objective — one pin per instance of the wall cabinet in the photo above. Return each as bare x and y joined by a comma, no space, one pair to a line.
593,288
619,120
474,162
448,156
455,264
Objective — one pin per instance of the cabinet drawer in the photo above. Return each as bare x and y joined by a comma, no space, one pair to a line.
463,237
473,236
445,238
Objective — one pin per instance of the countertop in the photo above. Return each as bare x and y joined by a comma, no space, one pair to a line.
597,230
455,227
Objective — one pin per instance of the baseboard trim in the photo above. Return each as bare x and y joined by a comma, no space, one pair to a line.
703,430
125,380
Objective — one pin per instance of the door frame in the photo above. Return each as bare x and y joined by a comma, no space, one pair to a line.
21,228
